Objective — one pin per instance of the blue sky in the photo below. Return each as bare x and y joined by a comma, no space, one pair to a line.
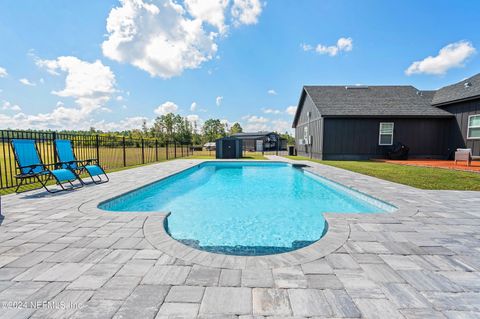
112,64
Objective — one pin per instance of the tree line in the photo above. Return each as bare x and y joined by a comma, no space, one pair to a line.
175,128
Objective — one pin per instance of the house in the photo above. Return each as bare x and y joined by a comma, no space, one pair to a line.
261,141
363,122
462,99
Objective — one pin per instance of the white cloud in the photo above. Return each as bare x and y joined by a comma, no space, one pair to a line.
291,110
271,111
210,11
453,55
193,106
281,126
165,108
226,122
119,98
246,11
219,100
7,106
306,47
128,123
193,118
256,119
157,37
164,38
257,123
27,82
84,80
3,72
343,44
272,92
91,85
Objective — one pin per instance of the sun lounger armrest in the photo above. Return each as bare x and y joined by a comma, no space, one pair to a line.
90,160
33,166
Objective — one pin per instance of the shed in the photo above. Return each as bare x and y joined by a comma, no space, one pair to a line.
262,141
228,147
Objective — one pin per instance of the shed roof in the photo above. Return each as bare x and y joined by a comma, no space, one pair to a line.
252,135
463,90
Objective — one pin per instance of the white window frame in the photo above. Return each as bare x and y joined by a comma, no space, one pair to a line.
380,134
469,127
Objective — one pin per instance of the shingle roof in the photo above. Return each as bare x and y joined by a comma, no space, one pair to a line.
462,90
251,135
368,101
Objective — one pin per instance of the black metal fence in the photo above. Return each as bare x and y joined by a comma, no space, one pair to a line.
113,152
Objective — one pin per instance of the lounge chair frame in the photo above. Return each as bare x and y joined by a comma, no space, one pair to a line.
23,176
80,166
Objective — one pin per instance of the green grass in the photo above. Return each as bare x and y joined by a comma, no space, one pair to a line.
419,177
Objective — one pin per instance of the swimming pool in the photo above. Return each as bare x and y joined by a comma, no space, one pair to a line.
246,208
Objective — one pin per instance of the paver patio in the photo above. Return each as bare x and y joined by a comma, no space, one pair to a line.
422,261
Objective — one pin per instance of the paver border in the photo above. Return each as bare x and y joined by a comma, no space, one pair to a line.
155,231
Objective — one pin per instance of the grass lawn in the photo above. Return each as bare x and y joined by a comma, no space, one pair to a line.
419,177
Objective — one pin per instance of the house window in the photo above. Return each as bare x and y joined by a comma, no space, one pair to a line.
474,126
385,136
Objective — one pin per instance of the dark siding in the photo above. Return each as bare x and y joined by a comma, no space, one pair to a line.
315,129
348,138
462,111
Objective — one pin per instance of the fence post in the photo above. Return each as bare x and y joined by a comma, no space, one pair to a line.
181,149
54,136
98,147
156,150
124,152
175,149
166,150
278,146
143,152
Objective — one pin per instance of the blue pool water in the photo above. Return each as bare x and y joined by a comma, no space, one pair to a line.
246,208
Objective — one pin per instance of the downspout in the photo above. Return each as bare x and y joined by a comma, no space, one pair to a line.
309,114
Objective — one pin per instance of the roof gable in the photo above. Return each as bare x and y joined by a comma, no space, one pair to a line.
465,89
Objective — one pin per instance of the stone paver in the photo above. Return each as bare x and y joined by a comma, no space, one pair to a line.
422,261
271,302
227,300
184,294
309,303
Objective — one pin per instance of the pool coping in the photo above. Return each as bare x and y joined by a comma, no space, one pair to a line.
155,232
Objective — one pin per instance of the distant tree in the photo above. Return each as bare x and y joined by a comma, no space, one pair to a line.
183,130
196,137
213,129
290,139
236,128
164,127
144,127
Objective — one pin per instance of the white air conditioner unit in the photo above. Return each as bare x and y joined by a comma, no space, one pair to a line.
301,141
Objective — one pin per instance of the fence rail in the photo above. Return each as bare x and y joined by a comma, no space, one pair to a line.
113,152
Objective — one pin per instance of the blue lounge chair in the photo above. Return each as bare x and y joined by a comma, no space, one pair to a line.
67,159
31,166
